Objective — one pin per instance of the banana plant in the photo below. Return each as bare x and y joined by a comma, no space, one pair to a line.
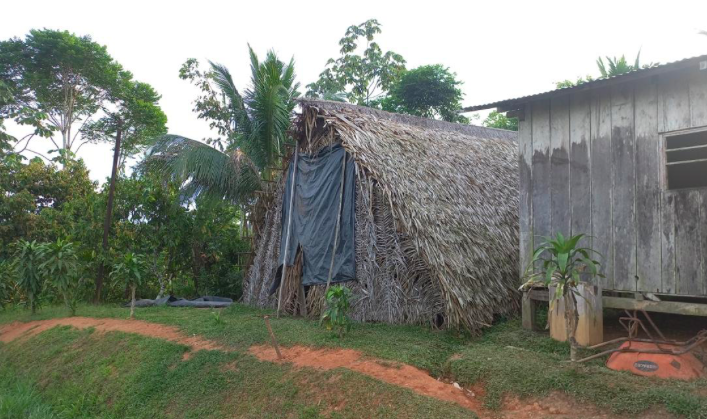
560,263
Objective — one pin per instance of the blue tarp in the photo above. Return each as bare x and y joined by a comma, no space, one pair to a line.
314,213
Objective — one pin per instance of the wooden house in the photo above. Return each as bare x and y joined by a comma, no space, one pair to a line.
623,159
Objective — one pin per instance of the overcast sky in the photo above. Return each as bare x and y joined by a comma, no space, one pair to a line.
498,49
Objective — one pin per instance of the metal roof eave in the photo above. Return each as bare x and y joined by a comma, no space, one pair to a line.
516,103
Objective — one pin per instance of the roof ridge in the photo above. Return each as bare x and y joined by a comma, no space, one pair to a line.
466,129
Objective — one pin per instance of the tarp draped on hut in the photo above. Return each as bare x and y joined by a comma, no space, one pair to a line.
435,224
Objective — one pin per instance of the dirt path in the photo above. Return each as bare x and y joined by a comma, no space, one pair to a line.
398,374
12,331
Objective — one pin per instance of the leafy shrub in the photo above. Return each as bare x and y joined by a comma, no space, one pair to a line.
28,258
7,273
335,317
60,268
129,271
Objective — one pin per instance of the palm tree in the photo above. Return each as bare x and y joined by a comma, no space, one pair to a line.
254,124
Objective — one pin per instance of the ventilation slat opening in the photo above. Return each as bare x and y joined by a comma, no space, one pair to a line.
686,160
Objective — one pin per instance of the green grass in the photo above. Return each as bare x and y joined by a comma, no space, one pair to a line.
133,376
19,399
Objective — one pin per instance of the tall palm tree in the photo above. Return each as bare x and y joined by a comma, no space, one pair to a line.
255,125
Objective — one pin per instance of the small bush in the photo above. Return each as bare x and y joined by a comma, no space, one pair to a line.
335,317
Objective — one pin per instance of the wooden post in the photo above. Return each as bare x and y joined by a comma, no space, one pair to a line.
590,329
272,337
287,236
528,312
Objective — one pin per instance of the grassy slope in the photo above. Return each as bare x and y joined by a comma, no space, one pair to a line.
81,376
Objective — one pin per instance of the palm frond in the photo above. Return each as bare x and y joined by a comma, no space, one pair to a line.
223,79
203,171
270,100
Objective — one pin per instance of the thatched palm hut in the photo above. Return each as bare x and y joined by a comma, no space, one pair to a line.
436,220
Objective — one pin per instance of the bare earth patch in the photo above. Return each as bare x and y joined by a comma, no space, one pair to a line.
15,330
557,406
402,375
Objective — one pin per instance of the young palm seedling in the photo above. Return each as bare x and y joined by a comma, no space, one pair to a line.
560,264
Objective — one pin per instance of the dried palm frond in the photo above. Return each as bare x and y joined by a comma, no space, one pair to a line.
436,217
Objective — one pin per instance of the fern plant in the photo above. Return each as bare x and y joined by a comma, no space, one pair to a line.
335,316
563,265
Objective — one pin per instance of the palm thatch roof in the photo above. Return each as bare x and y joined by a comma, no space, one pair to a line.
452,192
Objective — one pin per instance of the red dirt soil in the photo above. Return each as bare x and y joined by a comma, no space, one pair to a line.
402,375
397,374
12,331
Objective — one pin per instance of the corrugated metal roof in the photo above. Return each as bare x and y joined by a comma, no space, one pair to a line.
632,75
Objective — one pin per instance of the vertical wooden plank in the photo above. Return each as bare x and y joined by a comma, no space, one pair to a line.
648,193
673,114
624,162
698,98
668,271
698,118
580,176
560,167
525,156
687,242
528,312
703,239
676,102
667,205
601,171
541,195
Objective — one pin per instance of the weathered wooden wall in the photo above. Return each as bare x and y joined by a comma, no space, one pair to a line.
592,162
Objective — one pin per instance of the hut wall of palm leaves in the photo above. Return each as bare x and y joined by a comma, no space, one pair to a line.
436,219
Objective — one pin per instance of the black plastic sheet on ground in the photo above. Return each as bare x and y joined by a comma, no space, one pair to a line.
314,213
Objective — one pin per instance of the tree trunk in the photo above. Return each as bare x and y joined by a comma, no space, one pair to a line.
109,215
160,294
132,301
67,301
571,321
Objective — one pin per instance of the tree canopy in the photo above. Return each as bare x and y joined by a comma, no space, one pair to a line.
135,112
430,91
499,120
363,74
58,81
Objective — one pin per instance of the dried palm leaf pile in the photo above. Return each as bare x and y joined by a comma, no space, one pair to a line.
436,220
